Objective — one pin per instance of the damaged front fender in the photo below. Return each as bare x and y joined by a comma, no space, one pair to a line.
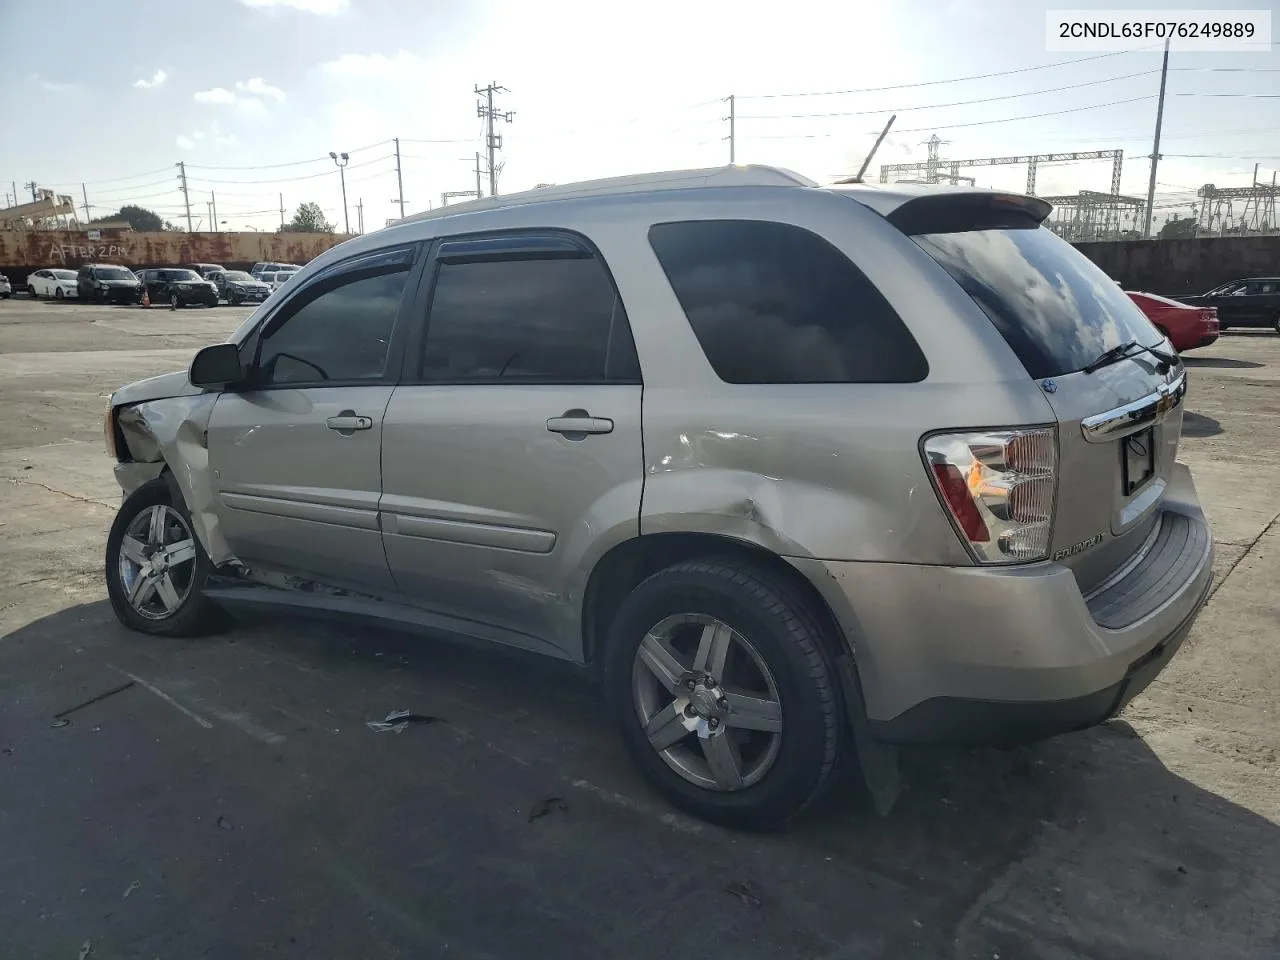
174,432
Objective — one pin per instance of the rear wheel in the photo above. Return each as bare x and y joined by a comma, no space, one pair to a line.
156,569
723,688
173,302
57,294
1276,325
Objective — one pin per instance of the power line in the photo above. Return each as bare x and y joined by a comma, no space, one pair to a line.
1029,116
309,176
957,103
934,83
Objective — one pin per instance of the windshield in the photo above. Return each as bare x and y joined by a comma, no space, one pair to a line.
115,273
64,274
177,275
236,275
1056,309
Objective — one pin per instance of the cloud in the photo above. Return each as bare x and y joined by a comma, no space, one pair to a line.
353,66
156,80
54,86
185,143
324,8
247,98
216,95
259,87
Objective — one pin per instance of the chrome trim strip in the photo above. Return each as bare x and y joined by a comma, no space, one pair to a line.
1136,414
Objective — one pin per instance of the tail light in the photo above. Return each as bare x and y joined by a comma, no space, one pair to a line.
999,488
1210,316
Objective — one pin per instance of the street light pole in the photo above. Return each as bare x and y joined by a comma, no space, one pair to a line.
341,160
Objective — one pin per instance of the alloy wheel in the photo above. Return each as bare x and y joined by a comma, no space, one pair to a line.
157,562
707,702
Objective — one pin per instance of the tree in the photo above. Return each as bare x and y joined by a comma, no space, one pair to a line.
1182,229
308,219
140,218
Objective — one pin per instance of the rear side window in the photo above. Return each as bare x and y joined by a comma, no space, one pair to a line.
1053,306
775,303
527,321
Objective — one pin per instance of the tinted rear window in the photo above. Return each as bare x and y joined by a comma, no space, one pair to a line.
775,303
1056,310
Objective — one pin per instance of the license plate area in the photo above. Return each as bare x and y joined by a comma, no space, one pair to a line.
1137,461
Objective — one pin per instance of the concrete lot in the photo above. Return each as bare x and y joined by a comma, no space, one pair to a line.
232,803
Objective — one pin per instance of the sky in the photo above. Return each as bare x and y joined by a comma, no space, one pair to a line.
252,95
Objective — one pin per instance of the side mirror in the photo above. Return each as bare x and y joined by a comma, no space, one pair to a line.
216,366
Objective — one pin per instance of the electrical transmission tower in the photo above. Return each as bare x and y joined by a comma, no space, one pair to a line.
493,141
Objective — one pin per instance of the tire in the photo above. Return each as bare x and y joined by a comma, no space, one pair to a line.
1276,325
31,292
235,301
58,294
174,302
155,612
774,775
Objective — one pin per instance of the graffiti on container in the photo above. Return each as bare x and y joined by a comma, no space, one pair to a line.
62,252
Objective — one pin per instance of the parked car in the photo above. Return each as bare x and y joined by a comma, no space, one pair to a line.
1254,302
179,287
52,282
264,266
207,271
753,502
238,287
107,283
6,288
1187,327
276,279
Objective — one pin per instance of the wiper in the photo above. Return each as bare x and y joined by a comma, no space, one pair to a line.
1119,352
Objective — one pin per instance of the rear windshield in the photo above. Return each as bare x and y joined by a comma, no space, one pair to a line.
177,275
115,273
1057,311
236,275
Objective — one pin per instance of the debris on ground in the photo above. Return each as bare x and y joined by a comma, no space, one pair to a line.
60,718
397,720
129,889
86,948
744,891
224,824
547,805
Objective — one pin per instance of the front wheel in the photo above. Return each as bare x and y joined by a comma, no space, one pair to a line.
722,685
156,569
31,292
173,302
58,294
1276,325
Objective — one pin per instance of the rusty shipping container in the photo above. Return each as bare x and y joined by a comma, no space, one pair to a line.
23,251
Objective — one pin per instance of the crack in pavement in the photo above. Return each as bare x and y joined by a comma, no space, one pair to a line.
61,493
1248,548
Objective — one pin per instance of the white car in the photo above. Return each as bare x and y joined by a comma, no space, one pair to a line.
52,283
5,288
276,279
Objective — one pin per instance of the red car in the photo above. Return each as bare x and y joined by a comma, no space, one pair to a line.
1186,327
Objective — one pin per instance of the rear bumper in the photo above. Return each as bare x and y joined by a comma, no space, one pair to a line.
1001,656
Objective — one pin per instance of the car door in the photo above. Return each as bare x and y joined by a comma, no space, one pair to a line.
512,449
39,284
295,453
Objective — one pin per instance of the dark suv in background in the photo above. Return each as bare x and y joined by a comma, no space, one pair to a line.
1253,302
238,287
178,287
208,271
107,283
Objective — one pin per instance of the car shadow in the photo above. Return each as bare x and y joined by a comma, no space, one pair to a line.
1220,363
1198,425
1086,845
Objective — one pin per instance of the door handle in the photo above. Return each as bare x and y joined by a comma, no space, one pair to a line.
577,424
348,422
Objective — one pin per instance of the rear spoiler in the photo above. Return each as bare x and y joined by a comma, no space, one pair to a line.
962,212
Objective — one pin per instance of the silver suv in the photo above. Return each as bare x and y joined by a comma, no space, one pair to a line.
798,472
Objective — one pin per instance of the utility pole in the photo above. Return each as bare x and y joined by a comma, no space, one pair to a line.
1155,146
341,160
182,176
478,193
208,211
282,213
86,208
732,122
213,202
14,184
493,141
399,181
360,215
32,187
